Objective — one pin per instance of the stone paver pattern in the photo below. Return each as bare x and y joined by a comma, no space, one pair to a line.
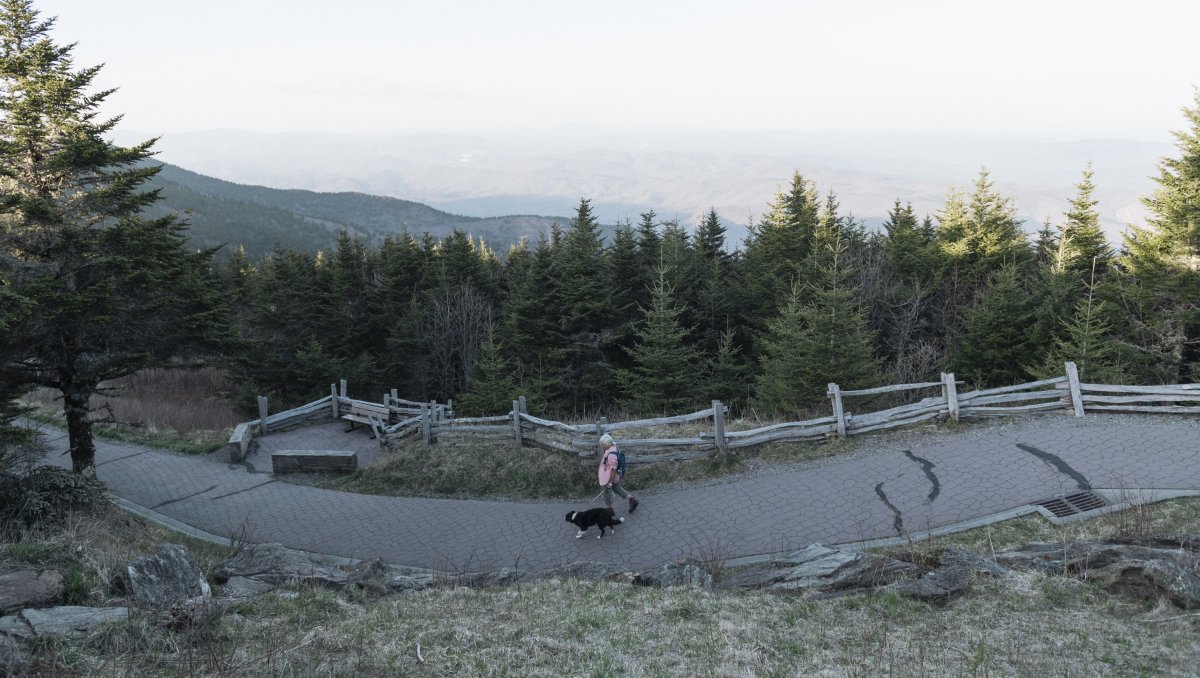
872,496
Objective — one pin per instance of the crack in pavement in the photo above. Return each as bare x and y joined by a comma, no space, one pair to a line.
928,467
1062,466
245,489
135,454
898,521
186,496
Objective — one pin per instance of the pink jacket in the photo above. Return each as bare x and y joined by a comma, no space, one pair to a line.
607,472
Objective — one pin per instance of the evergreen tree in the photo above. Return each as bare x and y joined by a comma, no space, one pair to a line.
714,299
110,292
774,250
981,233
586,313
493,384
821,336
662,379
727,374
995,345
1164,295
1086,341
1084,250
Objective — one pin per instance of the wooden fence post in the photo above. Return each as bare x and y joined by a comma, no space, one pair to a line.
524,405
719,425
425,415
1076,391
343,389
601,424
262,414
950,393
835,392
449,411
334,397
516,414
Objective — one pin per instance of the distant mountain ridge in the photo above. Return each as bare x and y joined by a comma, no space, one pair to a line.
680,174
259,219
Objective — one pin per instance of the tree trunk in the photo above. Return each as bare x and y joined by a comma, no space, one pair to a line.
79,431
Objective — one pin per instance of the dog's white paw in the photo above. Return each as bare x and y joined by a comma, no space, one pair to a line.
600,536
578,535
620,520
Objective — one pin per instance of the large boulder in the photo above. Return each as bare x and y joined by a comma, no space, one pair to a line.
29,588
166,578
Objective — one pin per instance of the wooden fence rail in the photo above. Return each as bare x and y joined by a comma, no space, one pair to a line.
436,423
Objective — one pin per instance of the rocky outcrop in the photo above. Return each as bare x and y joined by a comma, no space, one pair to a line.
274,564
29,588
68,620
165,578
1163,567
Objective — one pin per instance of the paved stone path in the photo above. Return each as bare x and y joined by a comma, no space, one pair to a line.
878,496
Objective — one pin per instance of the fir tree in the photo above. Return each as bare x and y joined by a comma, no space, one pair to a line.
1084,250
662,379
821,336
1164,260
111,292
995,345
493,384
586,313
1086,340
981,232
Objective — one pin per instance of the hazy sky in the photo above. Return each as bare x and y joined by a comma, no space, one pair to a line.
1046,68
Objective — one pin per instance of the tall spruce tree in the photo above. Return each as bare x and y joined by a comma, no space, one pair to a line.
981,232
110,292
821,336
585,314
1164,259
662,379
995,347
1084,251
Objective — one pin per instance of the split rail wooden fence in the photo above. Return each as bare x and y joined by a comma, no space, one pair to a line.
436,425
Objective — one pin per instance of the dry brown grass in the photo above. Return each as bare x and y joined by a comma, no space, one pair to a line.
164,399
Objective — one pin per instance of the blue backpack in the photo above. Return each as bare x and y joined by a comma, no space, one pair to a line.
620,463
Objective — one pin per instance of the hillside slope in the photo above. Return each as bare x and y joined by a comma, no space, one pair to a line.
259,219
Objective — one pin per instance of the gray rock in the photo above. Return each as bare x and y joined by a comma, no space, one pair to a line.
580,570
11,656
682,573
274,564
1150,579
15,626
1135,568
168,577
244,587
974,563
67,620
29,588
869,571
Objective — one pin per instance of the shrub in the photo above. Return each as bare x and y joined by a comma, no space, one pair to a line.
44,495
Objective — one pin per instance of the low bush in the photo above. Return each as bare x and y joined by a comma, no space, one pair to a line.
45,495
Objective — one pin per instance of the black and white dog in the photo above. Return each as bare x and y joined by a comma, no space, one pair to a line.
600,517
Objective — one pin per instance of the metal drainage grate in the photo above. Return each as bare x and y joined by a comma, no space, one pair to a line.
1073,504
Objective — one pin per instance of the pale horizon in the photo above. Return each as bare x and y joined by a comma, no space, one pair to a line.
1052,71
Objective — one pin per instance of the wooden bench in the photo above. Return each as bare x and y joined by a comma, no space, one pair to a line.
375,416
289,461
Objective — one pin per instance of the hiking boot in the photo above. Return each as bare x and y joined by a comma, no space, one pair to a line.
633,503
